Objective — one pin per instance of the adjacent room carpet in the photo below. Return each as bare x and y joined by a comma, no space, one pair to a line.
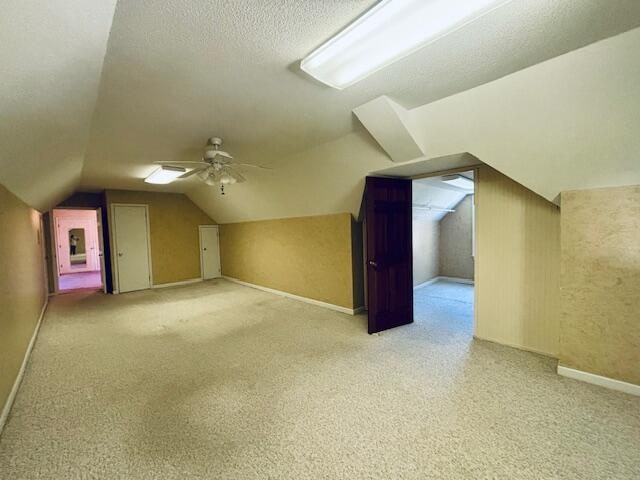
79,280
217,380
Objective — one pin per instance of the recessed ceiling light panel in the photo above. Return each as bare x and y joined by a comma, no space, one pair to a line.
391,30
458,181
165,174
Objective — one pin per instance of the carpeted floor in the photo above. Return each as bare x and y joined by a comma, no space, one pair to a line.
79,280
216,380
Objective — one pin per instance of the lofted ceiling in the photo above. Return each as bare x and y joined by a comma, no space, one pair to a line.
51,56
432,197
175,73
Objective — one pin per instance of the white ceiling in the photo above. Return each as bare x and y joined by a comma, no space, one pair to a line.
178,72
435,193
51,56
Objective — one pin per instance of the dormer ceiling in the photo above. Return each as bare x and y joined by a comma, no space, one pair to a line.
81,113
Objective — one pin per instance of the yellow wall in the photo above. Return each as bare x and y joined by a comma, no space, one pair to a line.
600,316
175,242
23,288
306,256
517,265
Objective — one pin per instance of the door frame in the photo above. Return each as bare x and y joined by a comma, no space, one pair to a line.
200,228
53,250
475,169
101,259
114,250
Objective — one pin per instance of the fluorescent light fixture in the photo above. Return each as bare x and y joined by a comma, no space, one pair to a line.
165,174
458,181
388,32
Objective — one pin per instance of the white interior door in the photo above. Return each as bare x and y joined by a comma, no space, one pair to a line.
209,251
131,238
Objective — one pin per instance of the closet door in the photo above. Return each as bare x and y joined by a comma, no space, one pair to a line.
131,252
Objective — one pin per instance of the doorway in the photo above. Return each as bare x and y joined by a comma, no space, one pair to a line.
77,250
443,219
419,250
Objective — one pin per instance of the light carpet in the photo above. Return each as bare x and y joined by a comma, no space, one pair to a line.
217,380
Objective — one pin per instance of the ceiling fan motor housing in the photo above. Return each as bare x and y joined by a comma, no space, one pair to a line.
215,142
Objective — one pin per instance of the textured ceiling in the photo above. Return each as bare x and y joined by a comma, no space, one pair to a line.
567,123
433,192
51,56
177,72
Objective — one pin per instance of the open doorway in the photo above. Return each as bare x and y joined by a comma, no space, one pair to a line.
77,249
443,225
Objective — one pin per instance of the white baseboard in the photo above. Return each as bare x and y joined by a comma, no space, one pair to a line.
428,282
515,345
331,306
599,380
448,279
457,280
175,284
16,384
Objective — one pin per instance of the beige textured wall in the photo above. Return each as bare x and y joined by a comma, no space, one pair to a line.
22,284
175,241
456,247
306,256
517,265
426,234
600,280
357,263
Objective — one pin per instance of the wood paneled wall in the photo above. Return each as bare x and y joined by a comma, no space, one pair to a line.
517,265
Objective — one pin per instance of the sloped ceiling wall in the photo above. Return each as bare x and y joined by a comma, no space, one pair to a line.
569,123
51,56
176,73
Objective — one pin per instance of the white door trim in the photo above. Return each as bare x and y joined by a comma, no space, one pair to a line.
200,228
114,249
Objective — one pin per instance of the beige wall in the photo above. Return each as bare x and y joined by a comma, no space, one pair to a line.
306,256
175,241
357,262
456,241
517,265
426,234
22,284
600,280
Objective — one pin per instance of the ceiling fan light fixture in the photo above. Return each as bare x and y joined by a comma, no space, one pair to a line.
165,174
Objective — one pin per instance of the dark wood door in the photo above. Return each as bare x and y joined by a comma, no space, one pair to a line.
389,258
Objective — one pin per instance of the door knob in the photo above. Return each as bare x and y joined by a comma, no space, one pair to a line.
372,263
119,254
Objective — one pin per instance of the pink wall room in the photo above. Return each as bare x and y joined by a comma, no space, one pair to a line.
77,249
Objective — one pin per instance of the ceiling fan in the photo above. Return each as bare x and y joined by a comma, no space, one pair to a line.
216,167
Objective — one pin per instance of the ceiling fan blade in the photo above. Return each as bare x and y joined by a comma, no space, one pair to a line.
180,163
193,172
254,166
214,154
237,176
